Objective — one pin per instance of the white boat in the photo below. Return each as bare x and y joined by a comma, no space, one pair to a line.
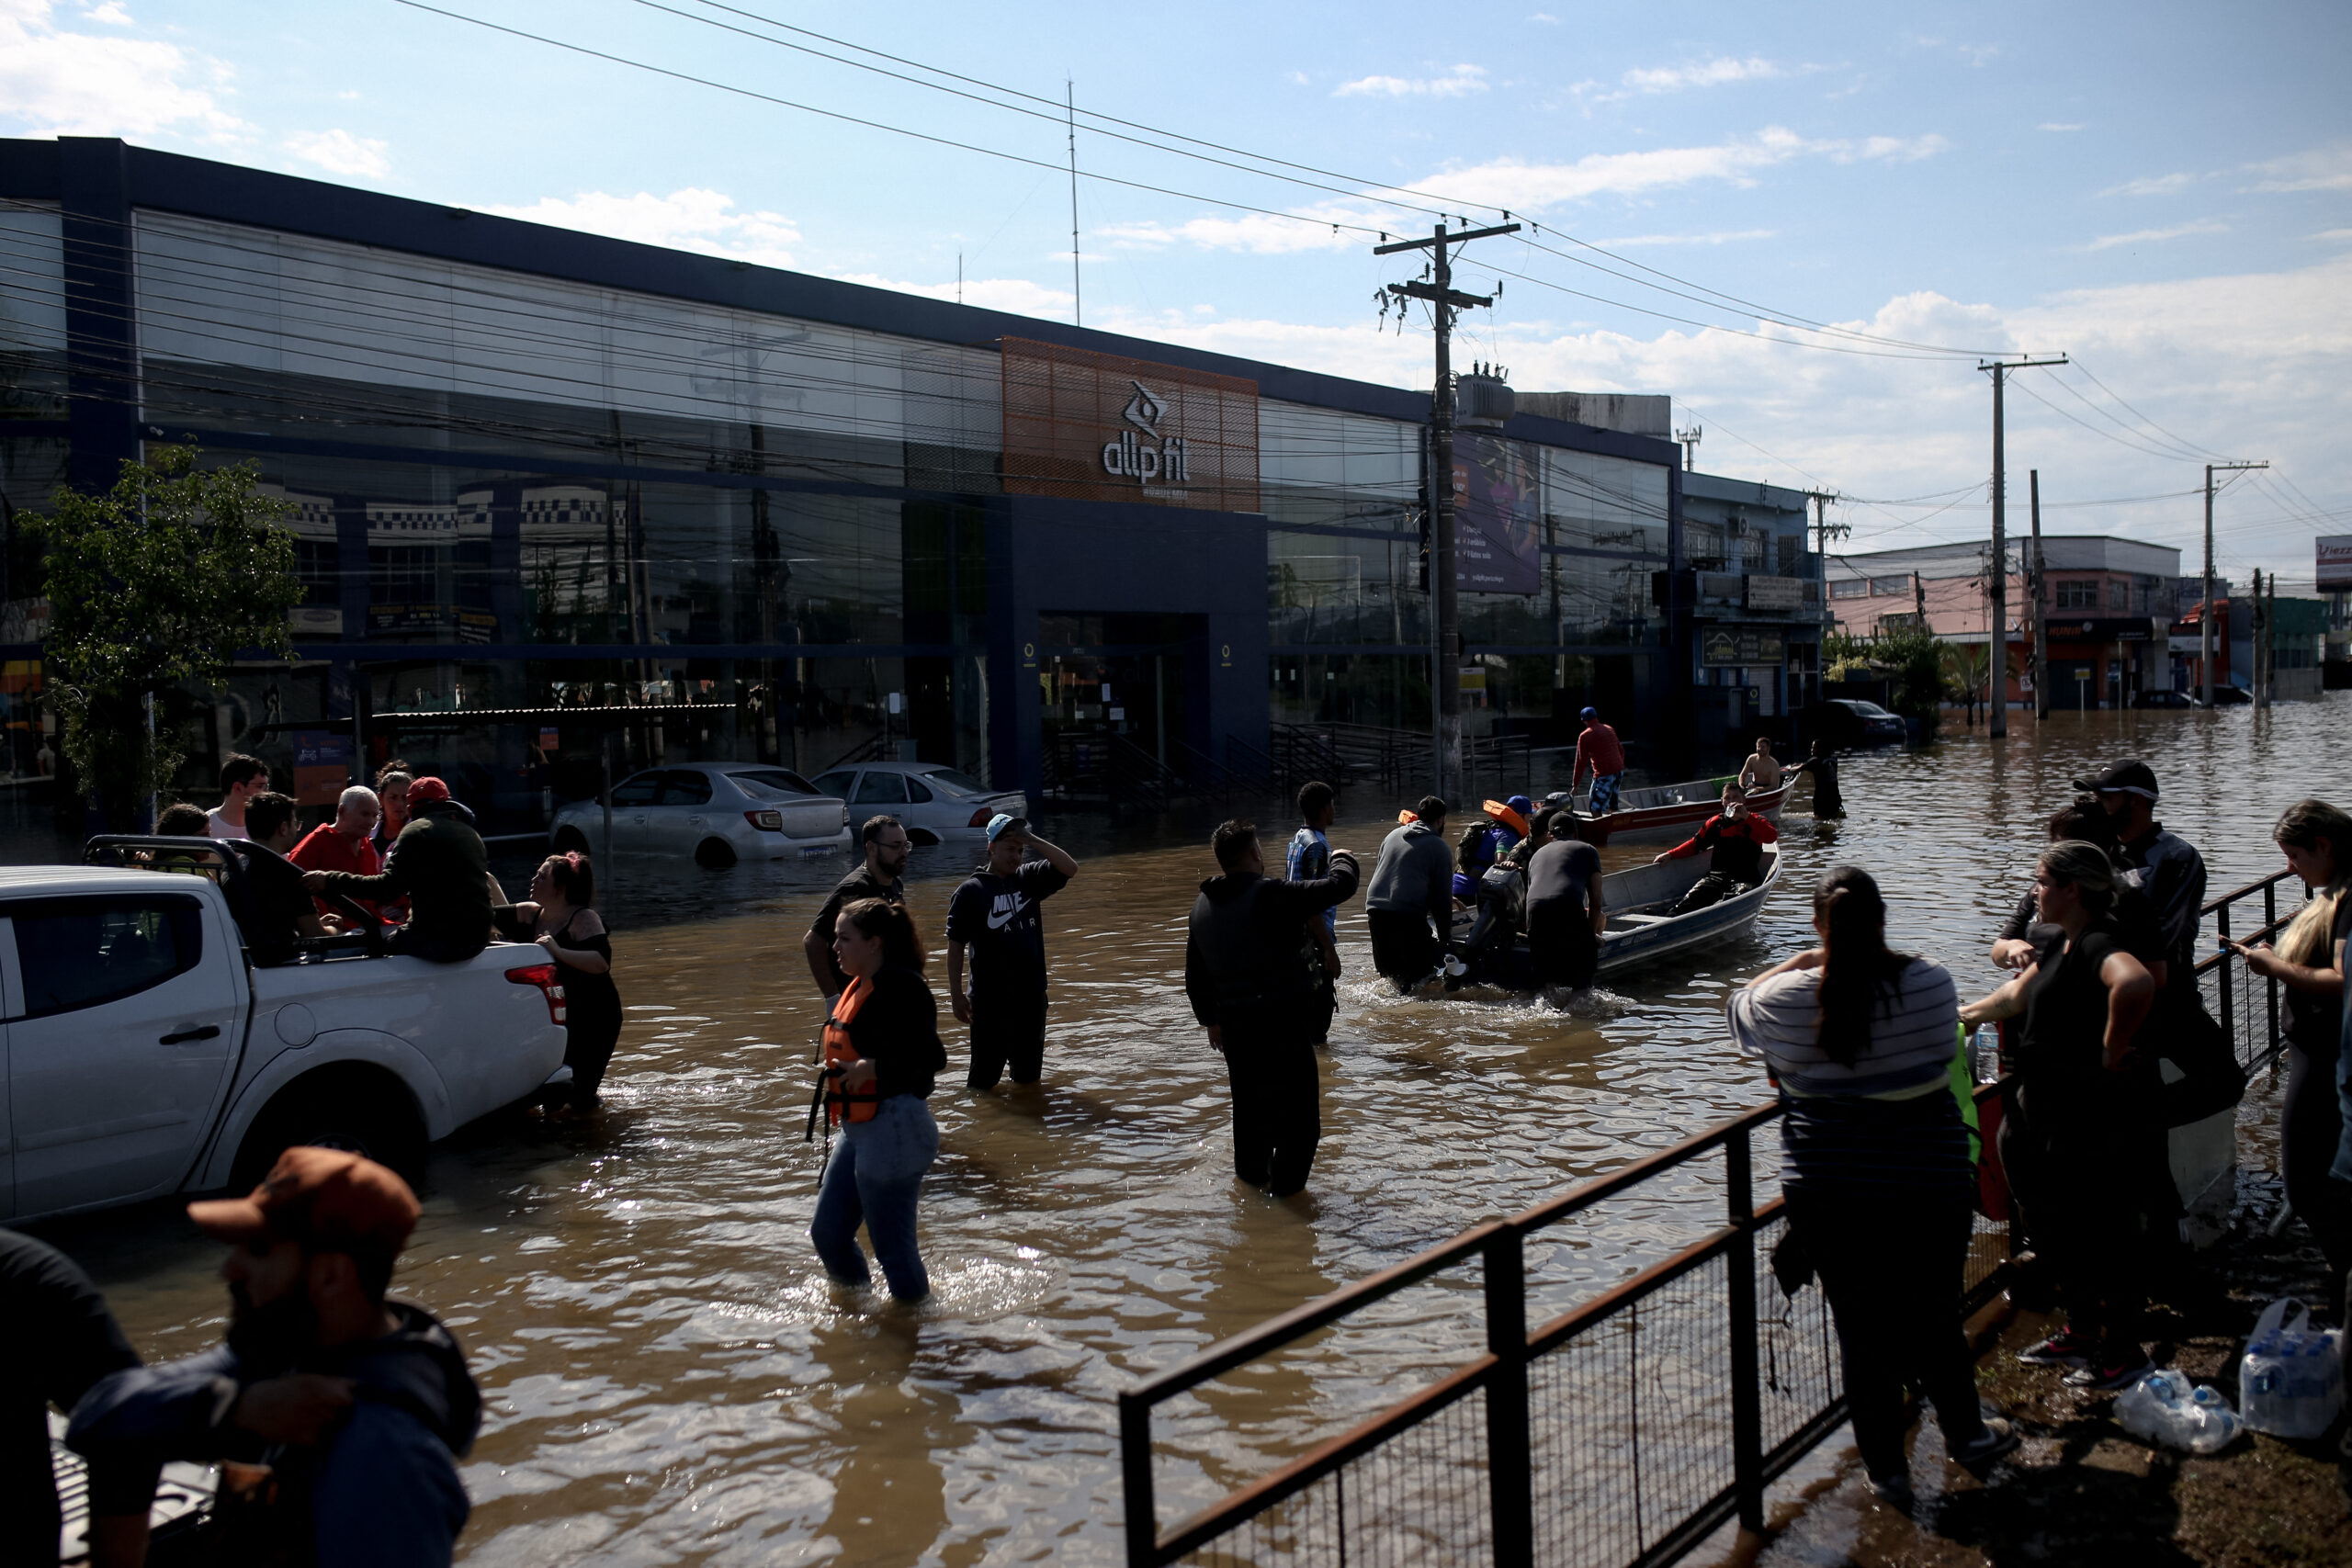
1672,811
1642,926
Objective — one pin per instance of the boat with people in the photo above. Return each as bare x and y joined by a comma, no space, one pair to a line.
1642,924
1668,811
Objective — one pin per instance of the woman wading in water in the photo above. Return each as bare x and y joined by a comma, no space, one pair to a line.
575,937
883,1039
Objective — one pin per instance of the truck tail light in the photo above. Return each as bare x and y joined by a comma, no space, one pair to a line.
844,814
980,818
766,821
543,975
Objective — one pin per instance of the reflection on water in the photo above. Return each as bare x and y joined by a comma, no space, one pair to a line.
670,1378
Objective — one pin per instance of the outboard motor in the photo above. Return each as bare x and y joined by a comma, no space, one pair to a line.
1502,898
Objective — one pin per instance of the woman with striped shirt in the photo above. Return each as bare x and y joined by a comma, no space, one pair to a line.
1858,1040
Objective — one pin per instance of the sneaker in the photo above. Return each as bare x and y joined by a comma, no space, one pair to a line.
1998,1439
1894,1491
2063,1349
2113,1370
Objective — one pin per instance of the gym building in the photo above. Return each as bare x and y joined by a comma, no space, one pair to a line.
566,503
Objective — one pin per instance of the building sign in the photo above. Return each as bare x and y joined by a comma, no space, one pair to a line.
1776,592
322,766
2334,553
1497,517
1724,645
1089,426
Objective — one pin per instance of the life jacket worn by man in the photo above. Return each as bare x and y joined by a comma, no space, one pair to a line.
1256,989
338,1415
439,865
1734,840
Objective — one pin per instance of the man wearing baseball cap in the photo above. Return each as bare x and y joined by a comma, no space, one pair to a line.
338,1415
439,865
2162,865
994,915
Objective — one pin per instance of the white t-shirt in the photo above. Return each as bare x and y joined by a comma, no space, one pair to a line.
219,827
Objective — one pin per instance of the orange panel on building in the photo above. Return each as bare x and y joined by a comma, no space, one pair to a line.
1088,426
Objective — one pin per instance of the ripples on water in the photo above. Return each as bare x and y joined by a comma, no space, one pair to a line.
670,1377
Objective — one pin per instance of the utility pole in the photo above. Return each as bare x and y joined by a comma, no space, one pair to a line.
1690,439
1825,530
2034,589
2205,614
1999,724
1443,299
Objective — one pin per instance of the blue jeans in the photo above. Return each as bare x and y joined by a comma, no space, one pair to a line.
874,1177
1604,793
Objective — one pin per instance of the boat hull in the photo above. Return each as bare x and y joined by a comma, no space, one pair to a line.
1640,929
1670,812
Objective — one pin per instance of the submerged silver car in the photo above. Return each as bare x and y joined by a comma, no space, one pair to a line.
934,800
717,812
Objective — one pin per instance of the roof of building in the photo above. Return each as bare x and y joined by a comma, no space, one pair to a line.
2060,552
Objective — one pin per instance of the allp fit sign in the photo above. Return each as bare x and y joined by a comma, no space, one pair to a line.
1089,426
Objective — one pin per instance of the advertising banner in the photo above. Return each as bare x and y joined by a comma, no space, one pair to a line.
1497,517
2335,558
322,766
1765,646
1092,426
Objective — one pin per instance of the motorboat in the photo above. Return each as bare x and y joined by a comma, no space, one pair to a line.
1672,811
1641,927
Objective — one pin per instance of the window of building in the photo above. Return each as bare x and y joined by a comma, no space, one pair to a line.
2119,595
2078,593
1890,585
1851,588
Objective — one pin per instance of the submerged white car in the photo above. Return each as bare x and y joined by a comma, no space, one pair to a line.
717,812
934,801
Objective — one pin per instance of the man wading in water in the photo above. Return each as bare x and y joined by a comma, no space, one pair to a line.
885,857
1256,989
995,915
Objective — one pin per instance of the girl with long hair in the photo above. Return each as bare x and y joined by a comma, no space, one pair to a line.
2316,838
2088,1097
573,935
882,1039
1857,1038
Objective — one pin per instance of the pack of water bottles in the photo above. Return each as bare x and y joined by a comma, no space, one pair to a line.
2292,1378
2164,1408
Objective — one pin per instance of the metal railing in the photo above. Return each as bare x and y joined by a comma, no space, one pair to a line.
1706,1396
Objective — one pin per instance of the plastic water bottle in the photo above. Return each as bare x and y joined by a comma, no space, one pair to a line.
2215,1425
2167,1387
1984,1052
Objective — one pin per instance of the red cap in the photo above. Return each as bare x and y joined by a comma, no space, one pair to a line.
427,788
319,1197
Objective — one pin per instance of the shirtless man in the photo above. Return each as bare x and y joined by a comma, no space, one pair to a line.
1761,772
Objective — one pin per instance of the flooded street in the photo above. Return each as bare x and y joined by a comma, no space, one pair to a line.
669,1377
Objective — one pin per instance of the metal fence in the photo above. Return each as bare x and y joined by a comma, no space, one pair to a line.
2250,1006
1618,1434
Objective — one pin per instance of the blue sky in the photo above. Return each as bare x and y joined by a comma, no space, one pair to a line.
2163,191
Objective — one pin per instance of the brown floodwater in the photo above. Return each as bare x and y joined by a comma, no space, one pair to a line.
669,1378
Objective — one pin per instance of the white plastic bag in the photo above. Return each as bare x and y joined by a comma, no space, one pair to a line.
2291,1381
2163,1408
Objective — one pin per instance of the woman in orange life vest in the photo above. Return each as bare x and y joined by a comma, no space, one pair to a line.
883,1039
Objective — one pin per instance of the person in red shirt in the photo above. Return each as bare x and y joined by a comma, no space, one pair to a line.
344,844
1597,749
1737,837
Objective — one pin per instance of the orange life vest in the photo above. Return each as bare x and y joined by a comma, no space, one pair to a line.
840,1054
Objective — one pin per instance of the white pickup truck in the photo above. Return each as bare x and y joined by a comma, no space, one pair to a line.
148,1053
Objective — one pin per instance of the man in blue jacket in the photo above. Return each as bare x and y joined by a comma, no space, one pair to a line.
337,1416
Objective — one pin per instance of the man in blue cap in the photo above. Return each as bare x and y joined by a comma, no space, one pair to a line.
995,915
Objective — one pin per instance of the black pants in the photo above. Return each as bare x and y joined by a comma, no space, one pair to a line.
1007,1030
2309,1130
2092,1142
1891,1262
1560,942
436,949
1404,950
1277,1107
1712,888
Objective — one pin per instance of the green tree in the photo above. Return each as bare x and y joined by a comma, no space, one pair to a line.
1916,657
163,579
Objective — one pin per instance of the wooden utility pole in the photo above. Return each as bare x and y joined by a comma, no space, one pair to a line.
2037,590
1999,725
2205,614
1443,299
2262,640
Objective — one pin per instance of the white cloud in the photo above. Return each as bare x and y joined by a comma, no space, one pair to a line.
2154,185
2322,168
2059,125
340,152
112,15
1253,232
705,221
2333,236
1722,237
1532,187
1705,73
1297,78
1545,18
58,82
1016,295
1460,82
2155,236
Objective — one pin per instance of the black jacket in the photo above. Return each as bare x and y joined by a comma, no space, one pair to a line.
1243,961
439,865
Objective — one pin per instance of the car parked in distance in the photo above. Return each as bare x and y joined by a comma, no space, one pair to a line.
2163,700
2225,695
1850,721
717,812
934,800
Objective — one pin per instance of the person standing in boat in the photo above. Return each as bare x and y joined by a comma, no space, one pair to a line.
1564,913
1734,839
1821,762
1762,771
1599,748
